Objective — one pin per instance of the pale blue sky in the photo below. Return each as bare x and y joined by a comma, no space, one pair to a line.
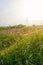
15,11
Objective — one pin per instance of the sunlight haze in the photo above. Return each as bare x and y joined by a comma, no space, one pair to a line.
16,11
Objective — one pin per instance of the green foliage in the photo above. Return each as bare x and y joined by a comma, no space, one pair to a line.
8,39
22,49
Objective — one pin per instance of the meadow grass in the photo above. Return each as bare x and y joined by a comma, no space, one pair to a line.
19,48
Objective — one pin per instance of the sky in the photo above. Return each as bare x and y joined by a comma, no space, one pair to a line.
14,12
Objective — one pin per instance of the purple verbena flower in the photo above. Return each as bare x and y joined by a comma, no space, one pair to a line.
42,63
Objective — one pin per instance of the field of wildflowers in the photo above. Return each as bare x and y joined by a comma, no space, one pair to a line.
21,45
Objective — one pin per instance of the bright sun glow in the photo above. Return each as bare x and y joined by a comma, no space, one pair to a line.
32,9
16,11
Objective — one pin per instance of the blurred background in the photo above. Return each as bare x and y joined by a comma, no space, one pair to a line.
28,12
